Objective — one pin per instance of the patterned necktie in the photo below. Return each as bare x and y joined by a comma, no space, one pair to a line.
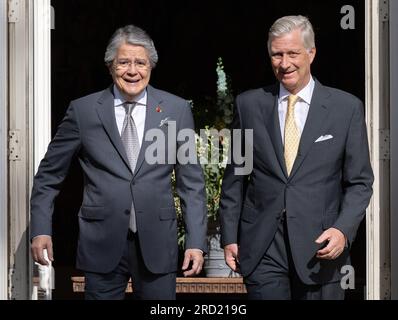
132,146
292,135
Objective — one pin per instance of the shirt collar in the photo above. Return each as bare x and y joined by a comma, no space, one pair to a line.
305,94
119,99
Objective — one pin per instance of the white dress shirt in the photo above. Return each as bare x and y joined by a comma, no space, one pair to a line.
301,107
138,113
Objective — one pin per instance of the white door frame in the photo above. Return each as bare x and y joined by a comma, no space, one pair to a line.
30,121
377,115
3,151
20,93
394,144
42,19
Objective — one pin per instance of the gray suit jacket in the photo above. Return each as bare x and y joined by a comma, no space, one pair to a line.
89,131
330,184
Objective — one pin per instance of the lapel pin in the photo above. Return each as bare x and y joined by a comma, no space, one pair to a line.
159,110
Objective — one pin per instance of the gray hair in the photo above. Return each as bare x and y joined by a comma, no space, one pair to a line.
287,24
131,35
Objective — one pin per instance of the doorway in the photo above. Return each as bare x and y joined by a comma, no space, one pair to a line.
190,36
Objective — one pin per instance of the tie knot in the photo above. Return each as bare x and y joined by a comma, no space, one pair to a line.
129,106
292,101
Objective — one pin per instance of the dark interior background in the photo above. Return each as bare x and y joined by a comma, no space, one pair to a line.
189,37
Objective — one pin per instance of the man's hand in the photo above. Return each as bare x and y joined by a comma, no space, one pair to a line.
336,244
196,256
40,243
231,255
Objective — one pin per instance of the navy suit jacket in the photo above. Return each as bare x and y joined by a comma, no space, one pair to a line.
330,184
89,132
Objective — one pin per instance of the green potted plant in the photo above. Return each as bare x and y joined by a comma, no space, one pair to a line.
212,147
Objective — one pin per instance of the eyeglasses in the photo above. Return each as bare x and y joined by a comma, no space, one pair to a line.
139,64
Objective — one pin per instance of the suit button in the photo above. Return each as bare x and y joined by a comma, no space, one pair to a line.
127,212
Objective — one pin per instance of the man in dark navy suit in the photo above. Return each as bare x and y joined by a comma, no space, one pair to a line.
127,219
289,224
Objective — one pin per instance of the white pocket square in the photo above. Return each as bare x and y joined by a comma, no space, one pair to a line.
324,138
164,122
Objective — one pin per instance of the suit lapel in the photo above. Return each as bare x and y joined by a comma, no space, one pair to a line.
106,113
274,131
317,115
152,120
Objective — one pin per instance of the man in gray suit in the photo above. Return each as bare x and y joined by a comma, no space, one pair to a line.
289,224
127,219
